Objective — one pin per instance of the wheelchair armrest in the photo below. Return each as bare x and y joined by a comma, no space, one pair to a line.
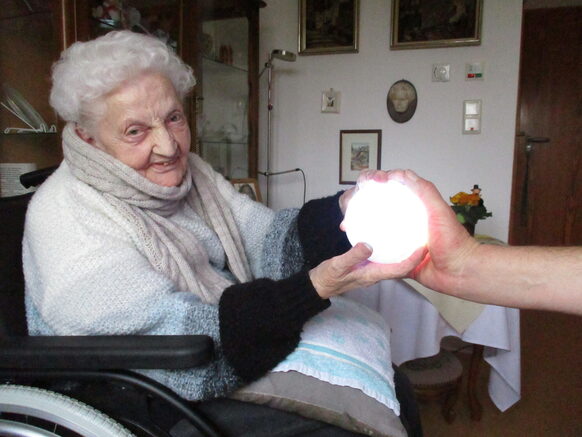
36,177
106,352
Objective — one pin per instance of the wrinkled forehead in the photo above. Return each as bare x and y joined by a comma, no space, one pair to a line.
147,94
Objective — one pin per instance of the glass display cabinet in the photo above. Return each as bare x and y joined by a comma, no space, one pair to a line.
218,38
29,44
227,90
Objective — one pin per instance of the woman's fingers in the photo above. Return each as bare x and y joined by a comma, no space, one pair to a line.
335,276
345,199
365,175
402,269
352,270
373,175
355,256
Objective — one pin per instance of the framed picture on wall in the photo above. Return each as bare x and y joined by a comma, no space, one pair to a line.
427,24
359,150
329,26
248,186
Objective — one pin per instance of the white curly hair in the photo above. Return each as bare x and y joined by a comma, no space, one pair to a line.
89,70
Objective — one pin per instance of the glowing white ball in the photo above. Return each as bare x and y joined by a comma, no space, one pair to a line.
390,218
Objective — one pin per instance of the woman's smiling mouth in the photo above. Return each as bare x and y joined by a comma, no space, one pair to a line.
165,165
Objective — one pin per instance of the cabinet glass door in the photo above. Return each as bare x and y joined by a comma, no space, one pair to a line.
29,44
222,123
160,18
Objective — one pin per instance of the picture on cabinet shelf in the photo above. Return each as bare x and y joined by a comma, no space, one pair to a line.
157,20
426,24
329,26
248,186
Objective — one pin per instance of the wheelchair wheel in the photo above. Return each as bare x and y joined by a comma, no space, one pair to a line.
33,412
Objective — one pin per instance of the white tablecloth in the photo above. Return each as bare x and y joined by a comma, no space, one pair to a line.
417,329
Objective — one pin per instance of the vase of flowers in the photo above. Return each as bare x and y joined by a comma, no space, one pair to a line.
469,208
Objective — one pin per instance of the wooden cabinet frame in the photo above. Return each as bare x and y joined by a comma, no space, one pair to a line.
72,25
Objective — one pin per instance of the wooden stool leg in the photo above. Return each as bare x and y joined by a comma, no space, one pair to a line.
448,408
475,363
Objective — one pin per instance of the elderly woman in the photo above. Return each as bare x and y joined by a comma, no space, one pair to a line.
133,234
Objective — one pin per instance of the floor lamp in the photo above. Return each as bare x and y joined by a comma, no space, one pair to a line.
286,56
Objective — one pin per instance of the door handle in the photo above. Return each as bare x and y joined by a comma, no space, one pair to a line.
530,143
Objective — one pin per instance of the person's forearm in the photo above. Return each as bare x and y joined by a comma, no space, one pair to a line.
261,321
548,278
319,230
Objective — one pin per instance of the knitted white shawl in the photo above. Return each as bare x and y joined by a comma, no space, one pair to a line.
146,206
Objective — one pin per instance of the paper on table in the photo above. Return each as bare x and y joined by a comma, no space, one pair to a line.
459,313
10,178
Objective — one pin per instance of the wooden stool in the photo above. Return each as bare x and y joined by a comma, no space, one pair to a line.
436,378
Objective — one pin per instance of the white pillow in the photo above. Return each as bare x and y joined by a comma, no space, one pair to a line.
340,373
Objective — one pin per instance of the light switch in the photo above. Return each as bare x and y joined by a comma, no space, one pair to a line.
472,116
474,71
472,107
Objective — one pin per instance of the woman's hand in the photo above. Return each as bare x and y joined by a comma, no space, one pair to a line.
352,270
365,175
449,245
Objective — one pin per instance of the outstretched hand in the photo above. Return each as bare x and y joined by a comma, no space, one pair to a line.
436,266
455,263
352,270
449,244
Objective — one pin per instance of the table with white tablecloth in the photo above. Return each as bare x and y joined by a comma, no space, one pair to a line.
417,328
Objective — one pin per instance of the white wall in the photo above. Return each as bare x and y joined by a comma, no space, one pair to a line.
431,143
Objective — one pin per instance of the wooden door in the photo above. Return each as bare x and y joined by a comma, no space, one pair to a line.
547,180
547,200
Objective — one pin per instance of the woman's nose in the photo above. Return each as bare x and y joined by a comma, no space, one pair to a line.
164,142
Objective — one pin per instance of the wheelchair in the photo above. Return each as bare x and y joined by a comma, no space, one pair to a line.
78,386
71,386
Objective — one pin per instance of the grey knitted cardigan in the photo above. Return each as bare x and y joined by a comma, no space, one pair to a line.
86,276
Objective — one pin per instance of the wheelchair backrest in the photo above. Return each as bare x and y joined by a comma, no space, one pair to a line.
12,316
12,215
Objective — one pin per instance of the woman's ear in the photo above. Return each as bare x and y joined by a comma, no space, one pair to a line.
82,132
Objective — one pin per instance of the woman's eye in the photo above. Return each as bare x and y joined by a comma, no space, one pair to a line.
132,132
176,117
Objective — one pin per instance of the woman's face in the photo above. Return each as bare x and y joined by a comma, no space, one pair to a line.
144,127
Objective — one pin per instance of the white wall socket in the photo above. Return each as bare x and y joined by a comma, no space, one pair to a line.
441,72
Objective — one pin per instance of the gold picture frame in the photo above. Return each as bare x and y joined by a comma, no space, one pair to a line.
328,27
359,150
248,186
422,25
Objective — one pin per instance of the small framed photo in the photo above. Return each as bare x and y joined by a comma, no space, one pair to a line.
329,26
359,150
330,101
427,24
248,186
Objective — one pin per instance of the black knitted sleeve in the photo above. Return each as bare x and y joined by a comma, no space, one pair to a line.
261,321
319,232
